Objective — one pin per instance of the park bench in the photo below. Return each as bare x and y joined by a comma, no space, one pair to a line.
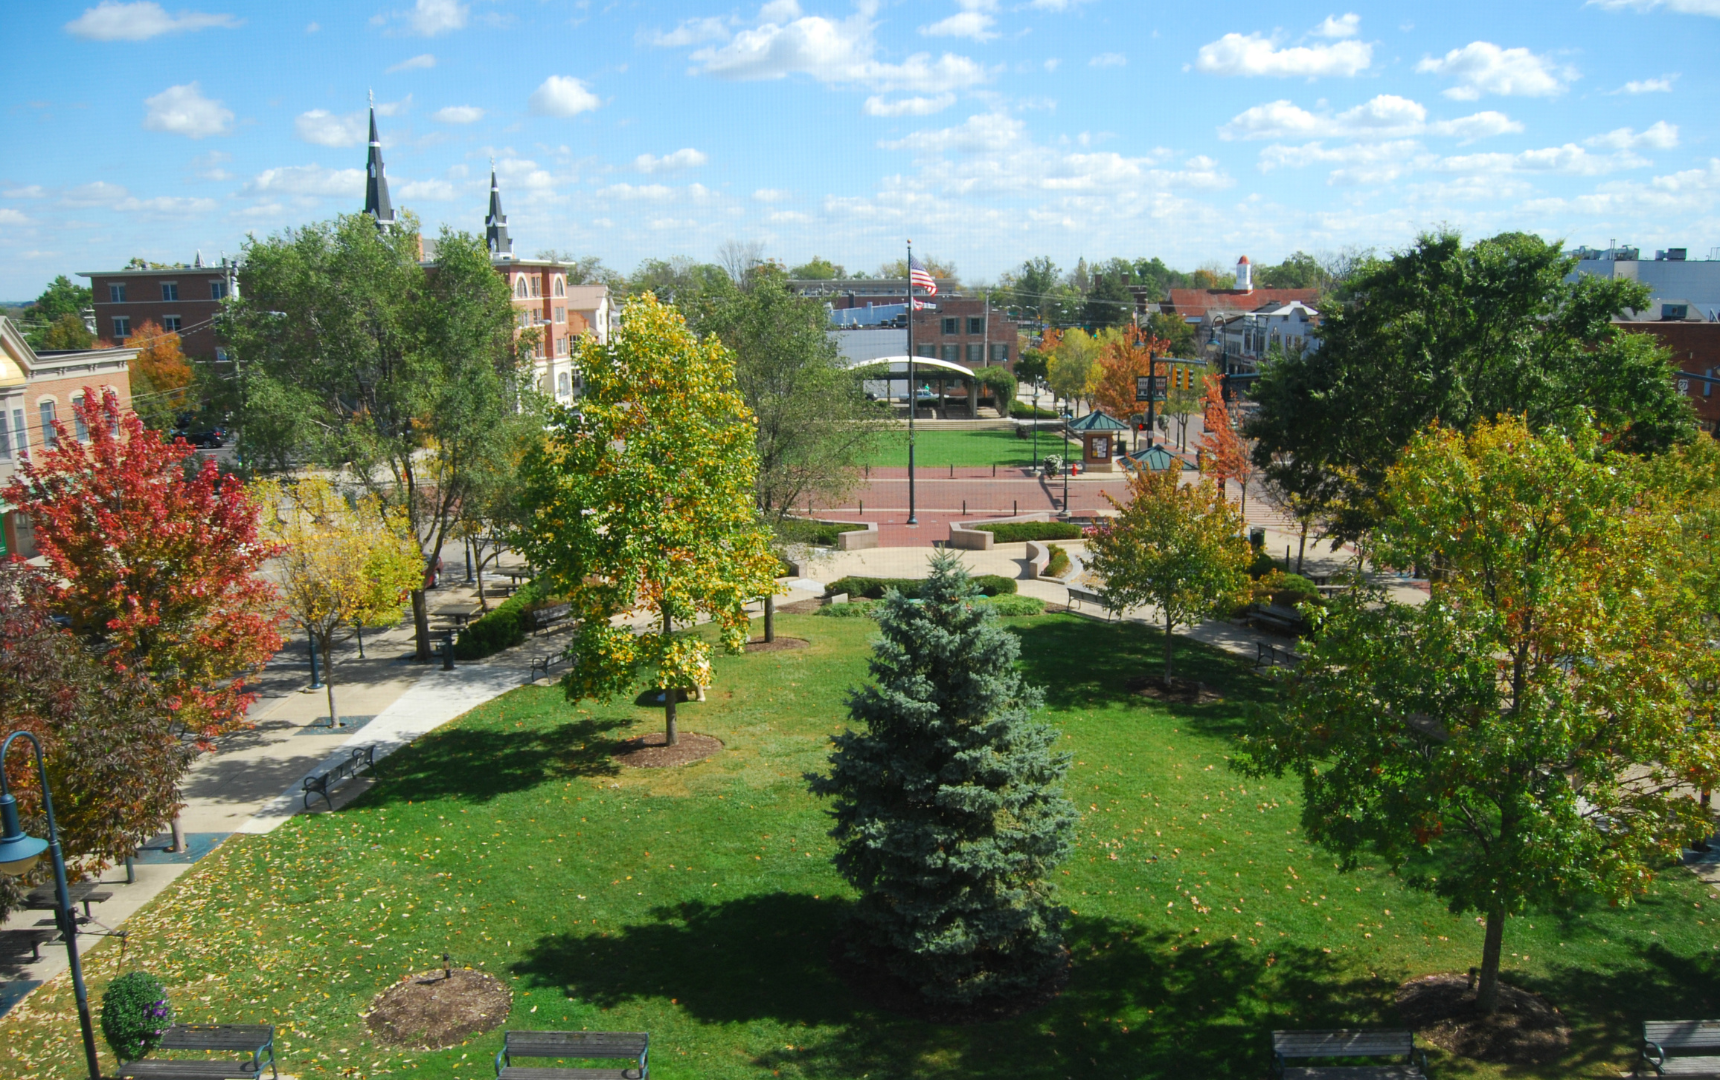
1288,1046
1267,654
30,939
1282,620
544,663
361,758
547,615
45,898
1661,1037
584,1045
256,1040
1078,593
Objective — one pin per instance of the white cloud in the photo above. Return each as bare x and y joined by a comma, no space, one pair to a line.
1386,116
432,17
166,206
878,105
1662,136
788,217
1055,5
1569,159
422,60
649,192
12,217
1647,86
772,195
1362,163
1252,54
563,95
426,190
97,193
1482,67
690,32
1673,197
308,180
1337,26
779,11
183,110
833,52
1052,64
323,128
29,191
974,21
110,21
685,158
1110,59
1684,7
458,114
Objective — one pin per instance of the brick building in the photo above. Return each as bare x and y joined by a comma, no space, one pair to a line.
968,331
1695,346
184,299
37,389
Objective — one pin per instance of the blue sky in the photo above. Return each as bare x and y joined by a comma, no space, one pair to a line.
987,131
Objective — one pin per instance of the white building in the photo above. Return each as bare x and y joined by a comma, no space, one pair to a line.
1672,279
1249,337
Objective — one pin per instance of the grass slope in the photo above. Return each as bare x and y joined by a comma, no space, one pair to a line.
698,903
941,449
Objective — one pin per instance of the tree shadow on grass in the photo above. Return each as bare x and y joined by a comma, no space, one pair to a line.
766,958
480,764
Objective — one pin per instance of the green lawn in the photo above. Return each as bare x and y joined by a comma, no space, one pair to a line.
699,903
941,449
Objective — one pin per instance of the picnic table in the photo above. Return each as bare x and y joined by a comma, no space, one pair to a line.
255,1040
43,897
459,618
30,939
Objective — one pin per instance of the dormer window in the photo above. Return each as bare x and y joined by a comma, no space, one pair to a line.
520,287
559,289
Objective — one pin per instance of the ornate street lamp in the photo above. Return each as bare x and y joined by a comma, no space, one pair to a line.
19,854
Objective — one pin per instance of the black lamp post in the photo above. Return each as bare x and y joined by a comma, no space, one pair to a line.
19,854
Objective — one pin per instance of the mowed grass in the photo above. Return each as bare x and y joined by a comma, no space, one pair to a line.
699,904
941,449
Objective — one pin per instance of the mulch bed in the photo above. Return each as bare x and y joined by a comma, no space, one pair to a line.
1525,1031
430,1010
799,607
882,989
781,644
650,751
1179,690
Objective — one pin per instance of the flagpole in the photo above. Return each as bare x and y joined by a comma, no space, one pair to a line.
913,395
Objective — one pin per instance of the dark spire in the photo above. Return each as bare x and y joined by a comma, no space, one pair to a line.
376,202
496,224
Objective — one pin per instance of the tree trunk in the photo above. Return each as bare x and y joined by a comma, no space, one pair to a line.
328,680
670,693
483,604
1169,626
1301,546
1487,990
421,626
770,618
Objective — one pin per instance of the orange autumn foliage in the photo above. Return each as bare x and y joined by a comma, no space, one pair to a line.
160,364
1120,362
1223,451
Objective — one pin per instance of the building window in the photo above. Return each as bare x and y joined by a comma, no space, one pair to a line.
564,384
975,354
559,289
5,438
49,438
1000,354
976,324
170,291
520,287
560,309
217,290
519,320
536,285
929,351
952,353
561,346
952,327
20,433
170,322
116,294
121,327
78,419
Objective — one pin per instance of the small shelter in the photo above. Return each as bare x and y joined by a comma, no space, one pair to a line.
1100,442
1152,459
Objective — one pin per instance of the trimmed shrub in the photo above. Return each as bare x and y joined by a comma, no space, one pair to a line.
1016,605
504,626
135,1012
875,588
1262,565
1288,590
861,609
1058,565
1014,532
824,534
1021,410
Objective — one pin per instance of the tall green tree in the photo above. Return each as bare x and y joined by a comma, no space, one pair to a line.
815,425
61,298
1038,292
1454,334
1299,270
948,804
66,332
1109,302
1178,547
642,503
818,268
356,358
1520,740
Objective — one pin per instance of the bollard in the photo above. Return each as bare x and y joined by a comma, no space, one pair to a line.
447,650
952,470
1015,507
994,470
868,472
862,507
130,875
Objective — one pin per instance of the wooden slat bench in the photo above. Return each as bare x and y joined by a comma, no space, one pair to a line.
361,758
256,1040
578,1045
1288,1046
29,939
1661,1037
1270,655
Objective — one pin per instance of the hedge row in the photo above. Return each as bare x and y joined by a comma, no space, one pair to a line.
874,588
1014,532
1003,605
1021,410
502,627
824,534
1058,564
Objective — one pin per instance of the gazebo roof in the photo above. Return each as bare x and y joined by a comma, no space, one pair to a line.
1098,420
1153,459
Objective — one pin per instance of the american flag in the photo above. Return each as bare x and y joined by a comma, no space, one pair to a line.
918,278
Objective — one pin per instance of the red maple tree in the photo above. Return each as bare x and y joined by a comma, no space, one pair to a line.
157,559
1223,451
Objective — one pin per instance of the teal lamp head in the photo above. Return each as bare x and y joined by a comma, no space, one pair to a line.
18,851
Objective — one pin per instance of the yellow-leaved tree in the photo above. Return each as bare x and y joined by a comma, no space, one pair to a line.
640,502
347,562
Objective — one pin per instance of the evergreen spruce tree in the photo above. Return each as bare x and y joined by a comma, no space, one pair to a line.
949,814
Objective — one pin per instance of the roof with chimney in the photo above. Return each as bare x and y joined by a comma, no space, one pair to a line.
1208,303
376,201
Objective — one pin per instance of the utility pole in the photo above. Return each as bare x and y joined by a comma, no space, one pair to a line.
913,391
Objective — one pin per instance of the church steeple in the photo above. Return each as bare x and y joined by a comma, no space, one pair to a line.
496,224
376,201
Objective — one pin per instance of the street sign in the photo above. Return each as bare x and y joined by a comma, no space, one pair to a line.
1149,387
